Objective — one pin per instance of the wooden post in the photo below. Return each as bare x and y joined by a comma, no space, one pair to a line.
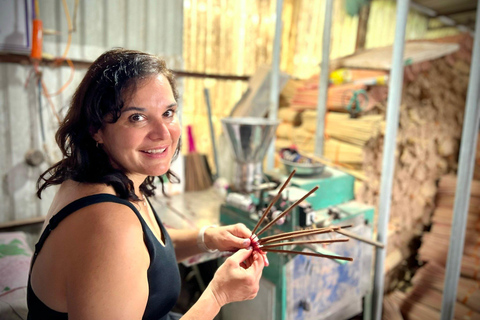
362,27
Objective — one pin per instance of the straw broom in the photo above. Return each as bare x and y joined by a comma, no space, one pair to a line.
197,176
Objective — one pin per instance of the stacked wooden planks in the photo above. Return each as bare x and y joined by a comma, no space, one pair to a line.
304,94
424,299
428,139
435,243
345,137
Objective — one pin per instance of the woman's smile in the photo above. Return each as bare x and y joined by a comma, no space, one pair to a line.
156,152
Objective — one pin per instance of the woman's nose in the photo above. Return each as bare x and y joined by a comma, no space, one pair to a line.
159,131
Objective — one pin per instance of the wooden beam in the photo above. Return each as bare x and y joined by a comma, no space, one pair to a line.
82,64
23,222
362,27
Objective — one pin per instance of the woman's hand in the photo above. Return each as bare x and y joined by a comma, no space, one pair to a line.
238,277
228,238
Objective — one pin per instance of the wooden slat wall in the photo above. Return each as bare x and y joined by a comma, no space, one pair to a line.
235,37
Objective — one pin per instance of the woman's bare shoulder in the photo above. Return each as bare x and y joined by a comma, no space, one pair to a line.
109,221
101,217
107,257
101,251
113,225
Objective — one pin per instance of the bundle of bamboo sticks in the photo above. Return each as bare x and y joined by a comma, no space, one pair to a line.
356,131
306,98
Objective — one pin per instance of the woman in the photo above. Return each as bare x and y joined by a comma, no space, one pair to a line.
104,253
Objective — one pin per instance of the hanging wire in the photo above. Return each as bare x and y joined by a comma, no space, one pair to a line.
42,126
65,52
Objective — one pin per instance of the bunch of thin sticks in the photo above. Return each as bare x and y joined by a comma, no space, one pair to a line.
271,243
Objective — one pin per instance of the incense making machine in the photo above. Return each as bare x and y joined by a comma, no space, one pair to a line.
297,287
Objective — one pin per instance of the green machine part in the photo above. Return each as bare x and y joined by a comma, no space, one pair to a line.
335,189
275,273
334,186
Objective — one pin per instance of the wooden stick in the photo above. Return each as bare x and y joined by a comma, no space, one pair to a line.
296,235
359,238
291,243
299,233
309,254
287,211
306,231
273,201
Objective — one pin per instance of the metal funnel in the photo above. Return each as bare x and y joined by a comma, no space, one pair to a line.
249,139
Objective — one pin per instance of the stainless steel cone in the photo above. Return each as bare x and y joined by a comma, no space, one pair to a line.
249,140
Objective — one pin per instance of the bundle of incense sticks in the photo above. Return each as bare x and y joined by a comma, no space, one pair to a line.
271,243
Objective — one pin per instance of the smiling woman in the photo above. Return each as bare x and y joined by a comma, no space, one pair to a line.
145,137
104,253
109,85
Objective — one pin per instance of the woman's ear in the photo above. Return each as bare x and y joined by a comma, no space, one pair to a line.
98,136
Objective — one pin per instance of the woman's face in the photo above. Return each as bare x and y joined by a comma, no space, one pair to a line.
143,140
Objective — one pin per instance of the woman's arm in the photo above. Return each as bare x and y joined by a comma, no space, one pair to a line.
232,237
237,279
107,266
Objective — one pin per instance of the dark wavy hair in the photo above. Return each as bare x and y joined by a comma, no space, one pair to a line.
99,99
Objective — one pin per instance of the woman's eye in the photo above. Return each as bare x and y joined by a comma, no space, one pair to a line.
137,117
169,113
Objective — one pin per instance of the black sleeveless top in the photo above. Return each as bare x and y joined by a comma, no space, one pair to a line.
163,275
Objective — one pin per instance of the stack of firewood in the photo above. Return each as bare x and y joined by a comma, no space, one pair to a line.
428,139
435,243
424,299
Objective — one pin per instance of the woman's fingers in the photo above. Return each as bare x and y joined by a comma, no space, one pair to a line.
241,255
257,266
265,260
240,230
241,235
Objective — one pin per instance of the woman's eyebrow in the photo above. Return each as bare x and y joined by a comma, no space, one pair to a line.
134,109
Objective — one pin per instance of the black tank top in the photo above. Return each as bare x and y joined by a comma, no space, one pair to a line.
163,275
